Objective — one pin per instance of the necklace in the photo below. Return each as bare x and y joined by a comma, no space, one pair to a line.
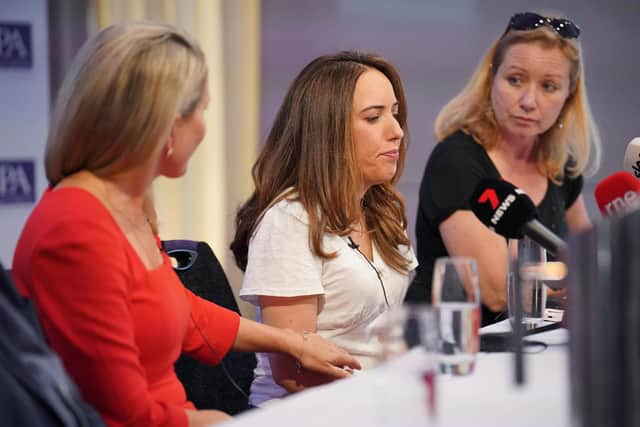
139,233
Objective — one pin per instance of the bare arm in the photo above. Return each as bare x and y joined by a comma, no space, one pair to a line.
298,314
205,417
577,220
282,336
286,319
464,235
577,216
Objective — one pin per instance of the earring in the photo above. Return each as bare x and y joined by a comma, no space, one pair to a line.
560,125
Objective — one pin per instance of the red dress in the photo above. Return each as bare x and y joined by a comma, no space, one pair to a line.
117,326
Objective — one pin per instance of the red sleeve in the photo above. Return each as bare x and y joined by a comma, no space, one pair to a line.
212,331
79,276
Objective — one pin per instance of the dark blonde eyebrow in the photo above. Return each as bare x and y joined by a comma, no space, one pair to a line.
524,70
378,107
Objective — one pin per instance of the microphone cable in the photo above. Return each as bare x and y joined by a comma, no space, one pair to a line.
222,365
354,245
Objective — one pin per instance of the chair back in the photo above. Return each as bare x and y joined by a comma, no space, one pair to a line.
224,386
35,389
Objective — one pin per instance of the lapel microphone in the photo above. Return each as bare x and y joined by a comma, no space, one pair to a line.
355,246
352,244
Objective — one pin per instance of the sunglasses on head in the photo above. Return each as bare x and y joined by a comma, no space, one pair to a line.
530,21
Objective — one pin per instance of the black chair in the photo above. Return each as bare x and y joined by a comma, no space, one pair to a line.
226,385
35,389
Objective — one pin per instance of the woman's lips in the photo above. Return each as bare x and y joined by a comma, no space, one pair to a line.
394,154
524,120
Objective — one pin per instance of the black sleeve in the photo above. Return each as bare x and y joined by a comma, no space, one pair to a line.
452,173
572,189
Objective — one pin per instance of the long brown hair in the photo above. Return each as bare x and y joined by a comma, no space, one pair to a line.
578,136
310,150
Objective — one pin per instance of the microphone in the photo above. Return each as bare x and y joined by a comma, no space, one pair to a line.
632,157
620,191
352,244
508,211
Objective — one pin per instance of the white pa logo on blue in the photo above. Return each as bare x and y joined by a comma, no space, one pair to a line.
17,181
15,45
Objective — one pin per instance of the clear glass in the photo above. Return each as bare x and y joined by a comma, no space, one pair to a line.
408,335
404,327
456,296
531,259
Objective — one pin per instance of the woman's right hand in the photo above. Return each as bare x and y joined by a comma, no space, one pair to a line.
281,336
322,356
205,417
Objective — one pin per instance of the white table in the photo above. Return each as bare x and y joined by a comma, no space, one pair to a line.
395,395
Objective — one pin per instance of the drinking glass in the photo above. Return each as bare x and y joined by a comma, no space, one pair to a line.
408,337
529,259
406,326
456,296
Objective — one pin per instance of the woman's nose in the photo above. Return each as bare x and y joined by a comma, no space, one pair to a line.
528,99
396,132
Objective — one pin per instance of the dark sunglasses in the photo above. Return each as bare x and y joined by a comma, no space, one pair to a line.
530,21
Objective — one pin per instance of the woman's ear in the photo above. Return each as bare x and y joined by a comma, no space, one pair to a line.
171,137
167,150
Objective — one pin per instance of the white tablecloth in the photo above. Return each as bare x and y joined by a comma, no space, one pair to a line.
395,395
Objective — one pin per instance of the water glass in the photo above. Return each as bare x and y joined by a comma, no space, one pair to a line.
529,259
456,296
404,328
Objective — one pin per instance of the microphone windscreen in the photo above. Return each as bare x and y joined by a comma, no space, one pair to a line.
617,193
502,207
632,157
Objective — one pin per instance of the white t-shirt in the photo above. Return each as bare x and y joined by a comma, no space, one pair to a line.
351,296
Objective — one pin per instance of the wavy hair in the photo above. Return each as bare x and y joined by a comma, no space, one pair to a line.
310,151
577,139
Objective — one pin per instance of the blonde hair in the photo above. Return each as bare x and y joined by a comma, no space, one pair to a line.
577,138
119,97
310,148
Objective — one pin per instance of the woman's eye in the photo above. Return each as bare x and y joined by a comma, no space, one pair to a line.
514,80
550,86
372,119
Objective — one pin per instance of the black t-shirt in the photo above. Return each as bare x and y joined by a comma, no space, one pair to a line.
454,169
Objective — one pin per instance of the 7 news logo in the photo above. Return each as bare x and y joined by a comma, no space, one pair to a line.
498,206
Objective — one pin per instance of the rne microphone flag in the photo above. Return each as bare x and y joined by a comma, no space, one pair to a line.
617,193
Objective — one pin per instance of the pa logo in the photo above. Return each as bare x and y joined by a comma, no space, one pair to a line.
17,181
15,45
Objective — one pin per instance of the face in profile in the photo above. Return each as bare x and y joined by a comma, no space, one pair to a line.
187,133
529,89
376,131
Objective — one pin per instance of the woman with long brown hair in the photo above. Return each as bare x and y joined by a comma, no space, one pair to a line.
322,239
